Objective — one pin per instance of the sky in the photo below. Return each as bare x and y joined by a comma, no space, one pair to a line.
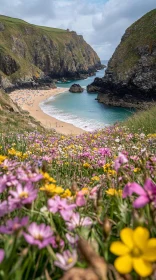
101,22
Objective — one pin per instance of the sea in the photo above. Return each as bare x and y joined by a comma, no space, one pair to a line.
81,109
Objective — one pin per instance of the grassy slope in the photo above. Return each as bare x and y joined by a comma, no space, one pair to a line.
143,121
12,119
139,36
15,29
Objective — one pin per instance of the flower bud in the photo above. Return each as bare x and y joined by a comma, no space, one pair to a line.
107,227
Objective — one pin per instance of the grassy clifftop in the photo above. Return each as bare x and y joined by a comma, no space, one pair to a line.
28,50
138,40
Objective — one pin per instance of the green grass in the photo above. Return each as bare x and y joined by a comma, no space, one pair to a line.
144,121
141,33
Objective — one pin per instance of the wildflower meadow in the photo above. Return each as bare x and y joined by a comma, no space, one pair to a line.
78,205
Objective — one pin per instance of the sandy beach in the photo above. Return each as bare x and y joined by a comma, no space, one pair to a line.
29,100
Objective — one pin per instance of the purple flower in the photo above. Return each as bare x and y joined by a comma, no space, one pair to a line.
104,151
23,195
27,175
66,260
7,181
2,254
77,221
121,159
39,235
6,207
146,194
60,205
57,243
14,225
72,239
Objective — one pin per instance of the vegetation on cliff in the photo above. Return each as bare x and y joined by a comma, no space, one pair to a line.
27,51
13,119
130,78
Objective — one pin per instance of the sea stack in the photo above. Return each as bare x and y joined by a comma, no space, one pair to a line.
76,88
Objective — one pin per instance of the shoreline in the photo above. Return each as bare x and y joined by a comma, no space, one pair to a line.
30,99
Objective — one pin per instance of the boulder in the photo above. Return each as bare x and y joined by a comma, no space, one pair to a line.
76,88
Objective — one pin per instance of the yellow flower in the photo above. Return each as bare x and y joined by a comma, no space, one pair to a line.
86,165
67,193
85,190
2,158
136,170
152,135
48,188
47,177
136,251
106,166
52,189
113,192
111,172
95,178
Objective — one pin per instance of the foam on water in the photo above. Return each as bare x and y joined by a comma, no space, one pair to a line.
83,123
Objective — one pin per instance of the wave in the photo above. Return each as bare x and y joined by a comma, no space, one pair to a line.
85,124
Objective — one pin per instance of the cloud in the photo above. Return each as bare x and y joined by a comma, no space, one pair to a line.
115,17
101,22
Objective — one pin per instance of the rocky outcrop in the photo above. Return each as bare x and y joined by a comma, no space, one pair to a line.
32,51
130,78
76,88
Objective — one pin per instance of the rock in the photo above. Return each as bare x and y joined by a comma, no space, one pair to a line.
1,27
76,88
130,78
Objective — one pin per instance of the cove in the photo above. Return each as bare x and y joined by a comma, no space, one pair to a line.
81,109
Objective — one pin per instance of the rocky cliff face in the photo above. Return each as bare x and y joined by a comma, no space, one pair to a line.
28,51
130,78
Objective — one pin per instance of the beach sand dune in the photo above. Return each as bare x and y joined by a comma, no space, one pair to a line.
29,100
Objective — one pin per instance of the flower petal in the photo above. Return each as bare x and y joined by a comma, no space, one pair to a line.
141,201
149,185
131,188
151,243
140,237
126,235
150,252
123,264
119,249
143,268
150,255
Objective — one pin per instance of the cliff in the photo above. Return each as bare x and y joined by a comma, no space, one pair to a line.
130,78
29,52
12,118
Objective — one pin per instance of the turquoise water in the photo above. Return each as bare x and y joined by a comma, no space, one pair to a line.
81,109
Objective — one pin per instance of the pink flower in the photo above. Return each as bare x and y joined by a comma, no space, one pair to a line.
14,225
2,254
60,205
23,195
121,159
80,199
104,151
72,239
77,221
93,193
146,194
67,260
39,235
